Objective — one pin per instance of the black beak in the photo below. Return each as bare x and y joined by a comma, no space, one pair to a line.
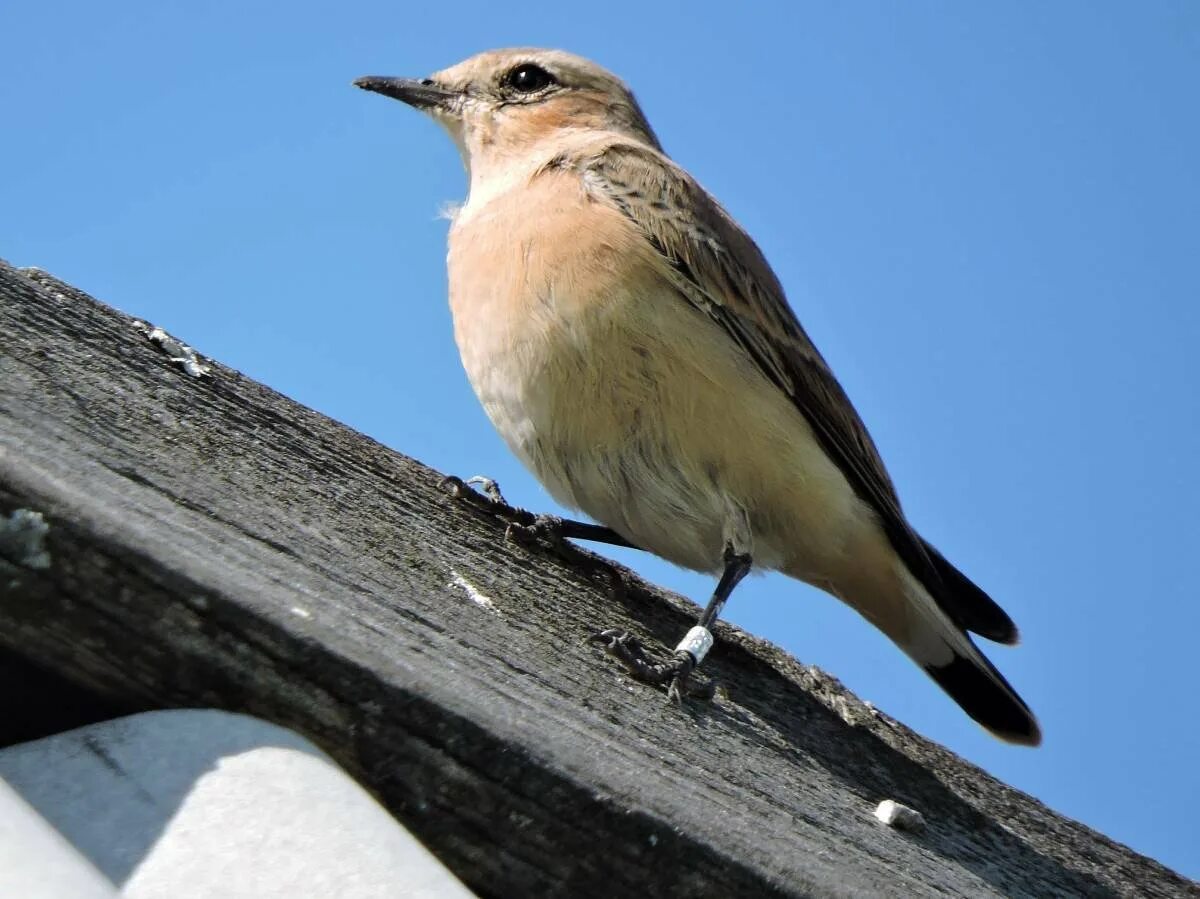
422,94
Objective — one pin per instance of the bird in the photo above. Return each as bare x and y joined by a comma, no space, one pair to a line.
633,347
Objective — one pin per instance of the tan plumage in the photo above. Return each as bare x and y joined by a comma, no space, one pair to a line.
636,351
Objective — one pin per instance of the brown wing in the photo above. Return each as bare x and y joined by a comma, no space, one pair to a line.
719,269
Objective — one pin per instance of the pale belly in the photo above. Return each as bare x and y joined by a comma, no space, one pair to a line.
626,402
641,414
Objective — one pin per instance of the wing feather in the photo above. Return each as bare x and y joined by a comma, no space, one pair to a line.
716,266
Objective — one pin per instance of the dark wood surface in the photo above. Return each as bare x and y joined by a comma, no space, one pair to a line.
215,544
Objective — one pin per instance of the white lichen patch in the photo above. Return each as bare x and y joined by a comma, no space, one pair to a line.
895,814
22,539
177,351
474,594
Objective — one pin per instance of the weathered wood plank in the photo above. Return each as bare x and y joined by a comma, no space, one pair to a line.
214,543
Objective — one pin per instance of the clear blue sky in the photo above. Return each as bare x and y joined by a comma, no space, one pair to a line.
988,217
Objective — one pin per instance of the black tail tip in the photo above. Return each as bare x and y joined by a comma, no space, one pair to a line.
989,700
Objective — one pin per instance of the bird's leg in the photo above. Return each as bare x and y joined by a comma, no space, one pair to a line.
563,528
691,650
696,643
523,524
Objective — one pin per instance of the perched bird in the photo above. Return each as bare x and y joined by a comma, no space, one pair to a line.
635,350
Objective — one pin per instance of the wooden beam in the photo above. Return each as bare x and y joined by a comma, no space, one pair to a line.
212,543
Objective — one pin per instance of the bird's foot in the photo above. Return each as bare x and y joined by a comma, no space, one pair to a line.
522,526
528,527
546,530
487,497
676,674
489,487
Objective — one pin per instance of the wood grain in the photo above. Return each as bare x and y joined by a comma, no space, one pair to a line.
216,544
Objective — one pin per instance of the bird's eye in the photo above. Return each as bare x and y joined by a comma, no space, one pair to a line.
528,78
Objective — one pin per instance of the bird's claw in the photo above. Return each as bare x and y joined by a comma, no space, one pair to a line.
545,529
489,487
628,650
521,526
681,685
488,496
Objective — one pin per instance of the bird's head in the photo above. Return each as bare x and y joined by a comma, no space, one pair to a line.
503,103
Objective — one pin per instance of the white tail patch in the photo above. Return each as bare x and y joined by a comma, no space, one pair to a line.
948,656
935,639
